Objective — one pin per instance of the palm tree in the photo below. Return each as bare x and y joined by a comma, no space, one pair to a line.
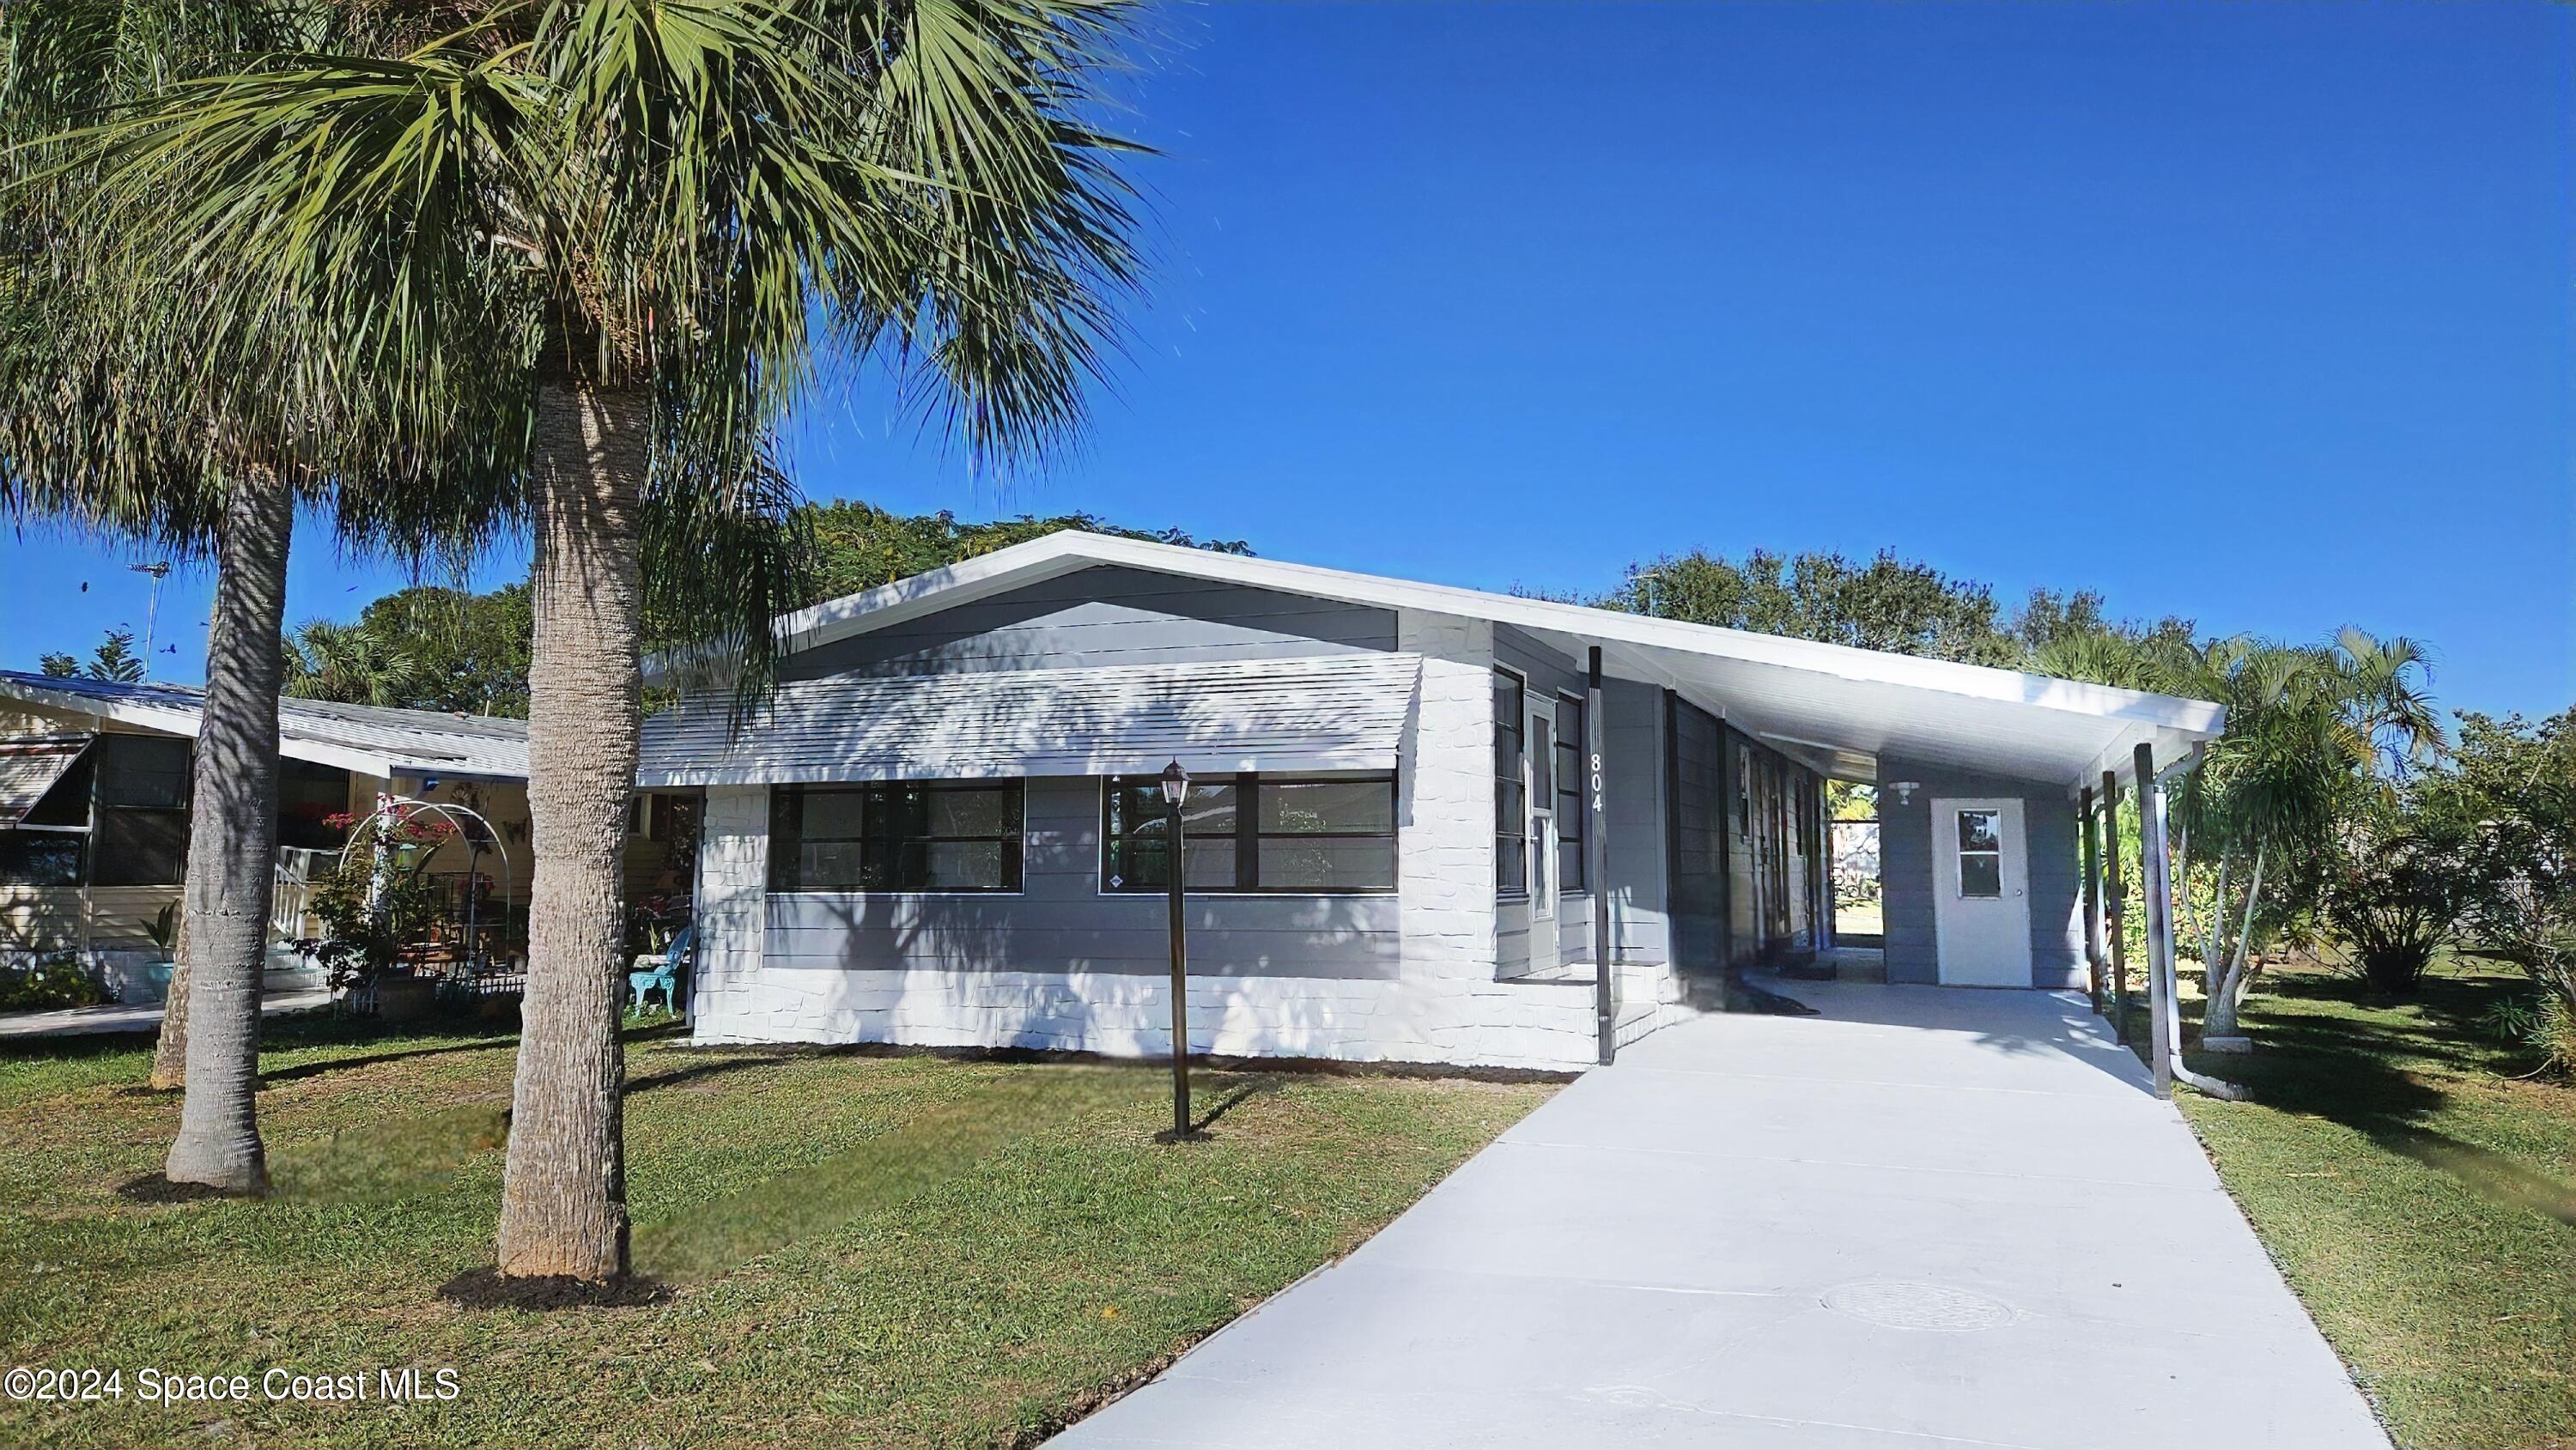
105,422
350,663
669,221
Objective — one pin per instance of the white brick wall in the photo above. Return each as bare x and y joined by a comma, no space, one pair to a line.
1445,806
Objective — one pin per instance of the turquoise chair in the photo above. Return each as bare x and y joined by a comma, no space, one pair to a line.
663,974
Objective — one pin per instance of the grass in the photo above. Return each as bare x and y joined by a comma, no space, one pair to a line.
865,1250
2418,1195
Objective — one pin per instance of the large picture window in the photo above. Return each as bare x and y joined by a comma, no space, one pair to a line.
1253,833
1572,817
1511,793
896,836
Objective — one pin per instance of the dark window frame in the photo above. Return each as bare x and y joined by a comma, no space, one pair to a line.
1573,817
1248,835
1014,839
1511,791
122,833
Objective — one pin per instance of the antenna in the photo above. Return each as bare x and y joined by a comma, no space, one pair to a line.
159,571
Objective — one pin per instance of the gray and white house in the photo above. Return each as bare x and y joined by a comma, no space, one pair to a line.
944,828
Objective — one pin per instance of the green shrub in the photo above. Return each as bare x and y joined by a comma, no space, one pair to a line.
48,983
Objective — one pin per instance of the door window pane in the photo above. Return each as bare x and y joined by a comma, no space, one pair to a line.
1981,861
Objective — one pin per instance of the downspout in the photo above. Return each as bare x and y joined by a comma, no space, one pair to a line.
2166,1038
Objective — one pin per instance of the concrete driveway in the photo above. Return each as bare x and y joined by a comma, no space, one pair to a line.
1929,1217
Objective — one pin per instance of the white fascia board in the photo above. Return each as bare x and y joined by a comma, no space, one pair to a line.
1063,553
163,718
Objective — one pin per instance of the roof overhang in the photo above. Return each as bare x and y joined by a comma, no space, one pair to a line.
1841,709
295,741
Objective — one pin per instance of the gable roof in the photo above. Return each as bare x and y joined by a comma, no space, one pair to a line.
369,739
1838,708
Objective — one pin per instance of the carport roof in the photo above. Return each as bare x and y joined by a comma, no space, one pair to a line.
1838,708
369,739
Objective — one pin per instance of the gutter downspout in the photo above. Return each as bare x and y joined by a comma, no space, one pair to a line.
2165,1010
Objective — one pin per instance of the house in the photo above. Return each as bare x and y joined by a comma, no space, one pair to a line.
95,782
943,827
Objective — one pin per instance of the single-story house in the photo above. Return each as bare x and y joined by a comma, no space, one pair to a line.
95,779
1419,815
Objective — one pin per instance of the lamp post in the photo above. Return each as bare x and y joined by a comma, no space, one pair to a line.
1176,788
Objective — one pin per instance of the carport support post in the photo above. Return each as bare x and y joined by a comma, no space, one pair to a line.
2115,906
1596,866
2157,873
2092,905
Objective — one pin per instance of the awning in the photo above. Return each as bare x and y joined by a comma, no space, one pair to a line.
30,766
1313,712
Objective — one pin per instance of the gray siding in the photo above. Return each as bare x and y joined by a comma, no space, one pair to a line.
1633,791
1104,616
1906,874
1060,921
1697,796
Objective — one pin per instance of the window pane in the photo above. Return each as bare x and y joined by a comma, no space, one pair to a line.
1326,805
825,866
1979,831
833,813
67,804
974,812
140,848
1569,863
1140,865
142,770
1290,864
1980,874
1208,811
1511,867
40,858
965,866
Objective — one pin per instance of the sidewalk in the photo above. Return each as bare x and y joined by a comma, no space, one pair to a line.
81,1021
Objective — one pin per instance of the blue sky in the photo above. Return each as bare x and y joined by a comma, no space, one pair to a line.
2259,315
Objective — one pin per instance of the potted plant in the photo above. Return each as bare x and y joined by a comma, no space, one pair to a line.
164,929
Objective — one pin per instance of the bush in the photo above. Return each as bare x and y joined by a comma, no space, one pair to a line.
49,983
2394,893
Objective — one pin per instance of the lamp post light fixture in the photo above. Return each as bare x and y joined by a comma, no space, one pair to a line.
1176,789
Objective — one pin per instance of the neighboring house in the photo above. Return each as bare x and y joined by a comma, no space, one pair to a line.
94,804
944,828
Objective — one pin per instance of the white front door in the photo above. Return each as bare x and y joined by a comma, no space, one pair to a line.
1981,893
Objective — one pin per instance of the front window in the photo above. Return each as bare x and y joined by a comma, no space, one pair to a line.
1511,792
1981,853
140,834
1571,817
896,836
1253,833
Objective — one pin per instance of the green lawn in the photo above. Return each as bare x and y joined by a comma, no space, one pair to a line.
870,1250
2420,1199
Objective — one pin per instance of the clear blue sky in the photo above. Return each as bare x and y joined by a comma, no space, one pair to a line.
2260,315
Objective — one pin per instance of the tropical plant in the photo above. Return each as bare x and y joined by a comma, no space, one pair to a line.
632,235
2394,895
351,663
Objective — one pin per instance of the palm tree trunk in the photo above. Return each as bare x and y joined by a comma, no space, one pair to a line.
563,1197
170,1051
2220,1020
232,843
